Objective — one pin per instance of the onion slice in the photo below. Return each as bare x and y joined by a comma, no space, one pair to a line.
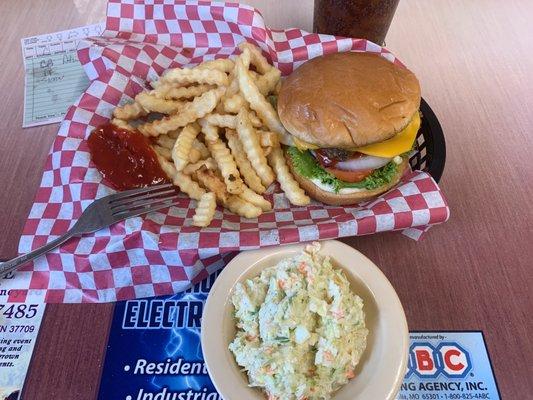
362,163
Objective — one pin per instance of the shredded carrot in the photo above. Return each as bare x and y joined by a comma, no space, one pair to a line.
328,356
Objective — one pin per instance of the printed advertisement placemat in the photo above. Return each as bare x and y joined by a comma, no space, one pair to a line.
154,349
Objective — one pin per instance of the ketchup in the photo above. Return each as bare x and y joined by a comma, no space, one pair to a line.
125,158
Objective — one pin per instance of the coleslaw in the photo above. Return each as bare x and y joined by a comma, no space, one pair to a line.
300,328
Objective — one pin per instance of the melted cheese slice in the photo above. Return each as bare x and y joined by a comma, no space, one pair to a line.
399,144
301,145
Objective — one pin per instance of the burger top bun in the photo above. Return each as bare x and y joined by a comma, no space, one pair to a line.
348,100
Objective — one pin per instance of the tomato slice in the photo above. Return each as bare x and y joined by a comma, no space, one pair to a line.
349,176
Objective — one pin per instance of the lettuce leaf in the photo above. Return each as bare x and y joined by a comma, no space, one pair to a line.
306,165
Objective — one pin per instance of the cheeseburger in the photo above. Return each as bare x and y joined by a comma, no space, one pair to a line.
353,118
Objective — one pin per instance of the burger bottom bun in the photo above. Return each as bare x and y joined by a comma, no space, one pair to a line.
337,199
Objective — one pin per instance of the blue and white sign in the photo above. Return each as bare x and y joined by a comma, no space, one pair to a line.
448,365
154,350
154,353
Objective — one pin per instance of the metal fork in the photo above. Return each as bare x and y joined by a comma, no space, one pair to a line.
102,213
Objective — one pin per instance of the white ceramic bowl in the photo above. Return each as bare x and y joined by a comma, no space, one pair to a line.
382,367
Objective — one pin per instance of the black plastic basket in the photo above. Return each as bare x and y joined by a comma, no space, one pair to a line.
430,147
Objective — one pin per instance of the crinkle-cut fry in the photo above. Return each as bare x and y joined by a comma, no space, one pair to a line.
151,103
221,120
202,148
210,131
184,182
162,151
226,165
188,186
184,76
267,83
174,134
257,101
241,207
222,64
267,151
205,210
293,191
213,183
130,111
167,166
166,141
194,156
227,120
122,124
219,109
268,139
258,60
234,103
252,147
183,145
190,112
255,120
191,168
247,171
233,87
170,91
256,199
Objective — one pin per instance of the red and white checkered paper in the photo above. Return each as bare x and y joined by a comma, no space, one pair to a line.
161,253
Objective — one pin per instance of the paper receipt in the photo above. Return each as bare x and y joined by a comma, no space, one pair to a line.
54,78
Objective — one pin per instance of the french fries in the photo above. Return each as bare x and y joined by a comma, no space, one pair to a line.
257,101
163,151
173,134
252,147
188,186
226,165
256,58
221,120
228,121
257,200
205,211
191,111
184,182
243,208
168,143
218,139
267,83
194,156
183,145
268,139
221,64
201,148
196,75
234,103
210,131
169,91
129,111
212,182
288,184
152,103
122,124
248,173
191,168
